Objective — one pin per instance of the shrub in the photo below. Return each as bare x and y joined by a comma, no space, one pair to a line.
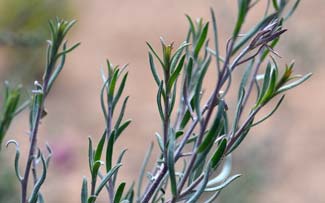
198,135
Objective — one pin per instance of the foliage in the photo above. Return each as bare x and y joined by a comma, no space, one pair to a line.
54,64
198,135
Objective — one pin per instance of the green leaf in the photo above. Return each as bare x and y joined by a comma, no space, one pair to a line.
119,193
112,84
100,146
292,10
130,193
90,153
218,155
269,114
102,98
294,84
201,40
266,82
109,151
238,109
84,191
122,128
173,99
186,118
215,34
156,55
64,52
159,94
57,71
68,25
121,115
195,197
160,142
275,5
214,131
34,194
106,178
241,137
171,165
176,73
179,133
245,77
224,173
17,156
119,91
198,87
37,102
192,27
143,170
223,185
95,169
119,161
175,58
153,69
92,199
8,111
242,12
271,87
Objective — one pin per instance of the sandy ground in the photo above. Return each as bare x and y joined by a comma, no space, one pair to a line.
118,30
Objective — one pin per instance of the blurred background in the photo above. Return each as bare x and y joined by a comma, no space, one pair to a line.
282,160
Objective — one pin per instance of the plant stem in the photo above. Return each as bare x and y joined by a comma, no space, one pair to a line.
153,186
252,81
33,145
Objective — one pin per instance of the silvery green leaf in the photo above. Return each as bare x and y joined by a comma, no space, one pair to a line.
143,170
17,156
225,172
34,194
294,84
223,185
106,178
84,191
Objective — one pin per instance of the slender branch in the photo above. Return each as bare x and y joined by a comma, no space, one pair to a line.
33,146
152,188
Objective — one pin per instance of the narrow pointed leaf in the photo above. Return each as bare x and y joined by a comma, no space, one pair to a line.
159,95
122,128
119,91
153,69
84,191
119,193
34,195
176,73
201,40
218,155
294,84
214,131
143,170
223,185
100,146
156,55
109,151
271,113
106,178
17,156
171,165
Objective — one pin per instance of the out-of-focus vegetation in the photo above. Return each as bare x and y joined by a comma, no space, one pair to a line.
23,33
8,186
